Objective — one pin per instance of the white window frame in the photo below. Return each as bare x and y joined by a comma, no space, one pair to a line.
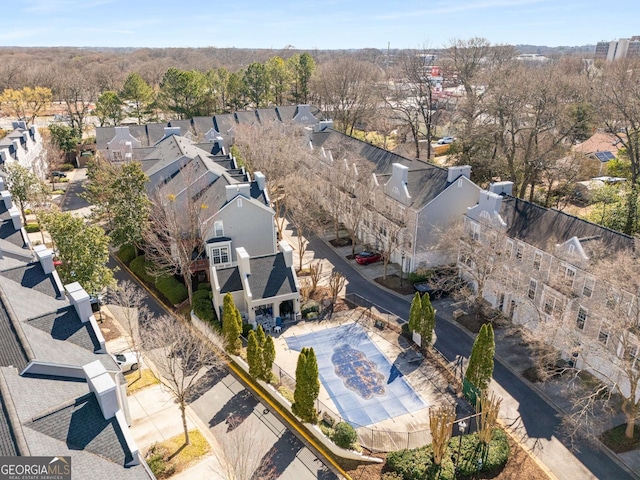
581,318
218,228
519,251
569,275
537,260
589,286
219,247
509,250
533,287
603,336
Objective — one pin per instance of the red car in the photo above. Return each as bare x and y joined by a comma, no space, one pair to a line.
367,257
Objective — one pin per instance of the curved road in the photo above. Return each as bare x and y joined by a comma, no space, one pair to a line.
540,420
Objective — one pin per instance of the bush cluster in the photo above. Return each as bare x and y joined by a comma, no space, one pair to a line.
32,227
126,254
139,267
418,463
172,289
344,435
67,167
203,306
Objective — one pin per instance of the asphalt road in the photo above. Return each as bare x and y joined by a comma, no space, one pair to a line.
539,419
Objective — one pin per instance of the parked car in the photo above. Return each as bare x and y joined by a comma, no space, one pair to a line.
58,174
367,257
126,361
445,140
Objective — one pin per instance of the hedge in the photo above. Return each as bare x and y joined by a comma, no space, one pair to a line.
171,288
203,308
204,286
417,464
126,254
139,266
32,227
201,294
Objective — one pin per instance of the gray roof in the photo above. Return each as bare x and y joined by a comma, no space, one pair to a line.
32,276
8,446
267,114
66,325
202,124
10,234
224,123
12,352
68,421
538,226
246,117
229,280
270,277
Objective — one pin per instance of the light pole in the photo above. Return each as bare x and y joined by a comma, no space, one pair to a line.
402,267
462,426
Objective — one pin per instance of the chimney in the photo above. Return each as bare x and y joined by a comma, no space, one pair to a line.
80,300
400,173
501,188
287,253
16,144
3,155
244,265
456,172
25,137
46,258
233,191
103,387
2,184
260,180
489,202
168,131
322,125
7,199
15,218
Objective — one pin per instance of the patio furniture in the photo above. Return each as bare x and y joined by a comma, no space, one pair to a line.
277,329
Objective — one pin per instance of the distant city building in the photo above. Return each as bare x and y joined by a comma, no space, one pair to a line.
532,57
615,50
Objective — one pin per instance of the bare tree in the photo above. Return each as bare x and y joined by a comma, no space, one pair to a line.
243,454
303,213
274,150
129,299
180,356
346,91
315,274
173,240
78,92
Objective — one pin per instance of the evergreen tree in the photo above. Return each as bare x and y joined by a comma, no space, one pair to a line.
307,386
268,357
231,325
415,313
300,394
140,95
480,368
254,355
428,322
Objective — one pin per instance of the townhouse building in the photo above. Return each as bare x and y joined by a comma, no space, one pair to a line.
551,273
24,146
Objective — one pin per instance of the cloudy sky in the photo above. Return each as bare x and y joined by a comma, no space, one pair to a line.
304,24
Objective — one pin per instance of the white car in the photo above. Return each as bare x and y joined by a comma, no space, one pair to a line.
445,140
126,361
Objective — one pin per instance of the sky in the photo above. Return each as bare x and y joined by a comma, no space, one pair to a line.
319,24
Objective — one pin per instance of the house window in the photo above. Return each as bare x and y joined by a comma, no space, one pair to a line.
552,306
581,319
613,299
218,228
537,260
569,276
475,231
533,285
509,249
589,284
465,259
519,252
631,355
220,255
603,336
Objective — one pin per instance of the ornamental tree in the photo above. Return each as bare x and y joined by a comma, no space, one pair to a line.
254,355
415,313
307,386
428,322
268,357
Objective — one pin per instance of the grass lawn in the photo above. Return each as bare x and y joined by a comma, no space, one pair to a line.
616,440
173,456
134,383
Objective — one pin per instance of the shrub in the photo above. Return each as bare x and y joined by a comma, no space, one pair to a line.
28,211
310,307
172,289
391,476
32,227
204,286
67,167
344,435
286,393
126,254
139,267
158,463
201,295
420,275
203,308
417,464
246,328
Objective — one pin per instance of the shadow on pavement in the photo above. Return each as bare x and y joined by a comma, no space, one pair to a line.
205,383
239,407
282,453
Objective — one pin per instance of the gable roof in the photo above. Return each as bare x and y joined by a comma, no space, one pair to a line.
270,277
538,226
